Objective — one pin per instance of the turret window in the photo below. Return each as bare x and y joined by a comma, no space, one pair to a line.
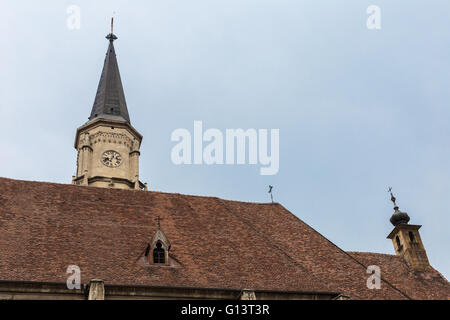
399,245
411,237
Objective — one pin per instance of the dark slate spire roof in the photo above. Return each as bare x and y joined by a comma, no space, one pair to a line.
110,99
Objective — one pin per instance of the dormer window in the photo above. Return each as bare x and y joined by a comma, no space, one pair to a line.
159,254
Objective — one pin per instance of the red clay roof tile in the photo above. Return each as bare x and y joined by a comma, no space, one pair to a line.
45,227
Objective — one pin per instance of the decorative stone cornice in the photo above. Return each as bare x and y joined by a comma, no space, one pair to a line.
111,137
129,183
107,123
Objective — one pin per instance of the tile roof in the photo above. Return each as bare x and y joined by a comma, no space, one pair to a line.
45,227
416,284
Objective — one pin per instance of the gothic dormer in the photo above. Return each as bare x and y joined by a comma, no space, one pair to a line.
158,249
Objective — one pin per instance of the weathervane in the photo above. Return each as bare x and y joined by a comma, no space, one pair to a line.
270,191
392,198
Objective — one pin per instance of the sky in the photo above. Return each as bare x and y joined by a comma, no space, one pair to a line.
358,110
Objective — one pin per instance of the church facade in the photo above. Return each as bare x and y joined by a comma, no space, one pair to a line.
106,236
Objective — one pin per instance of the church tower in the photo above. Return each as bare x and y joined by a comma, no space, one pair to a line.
108,145
406,239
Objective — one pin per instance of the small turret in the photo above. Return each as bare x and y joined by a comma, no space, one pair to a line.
406,239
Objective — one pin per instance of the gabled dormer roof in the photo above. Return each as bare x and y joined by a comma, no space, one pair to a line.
160,236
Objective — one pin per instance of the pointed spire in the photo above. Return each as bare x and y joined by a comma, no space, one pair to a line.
110,101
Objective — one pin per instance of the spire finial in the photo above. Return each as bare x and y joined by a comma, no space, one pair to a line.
398,217
111,37
393,199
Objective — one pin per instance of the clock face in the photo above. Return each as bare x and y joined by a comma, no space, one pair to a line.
111,158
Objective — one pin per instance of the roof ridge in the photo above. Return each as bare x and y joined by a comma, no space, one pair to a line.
136,191
368,252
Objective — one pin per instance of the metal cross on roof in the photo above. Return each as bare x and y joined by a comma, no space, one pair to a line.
159,221
393,199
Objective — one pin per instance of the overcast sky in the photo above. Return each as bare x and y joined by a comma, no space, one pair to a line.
358,110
